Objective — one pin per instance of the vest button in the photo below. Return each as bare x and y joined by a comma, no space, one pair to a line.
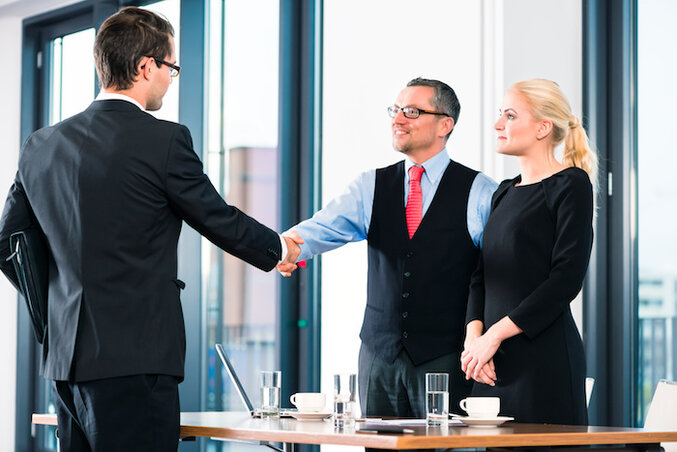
405,314
407,274
405,335
410,254
405,295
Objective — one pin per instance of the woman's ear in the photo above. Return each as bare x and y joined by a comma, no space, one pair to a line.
544,128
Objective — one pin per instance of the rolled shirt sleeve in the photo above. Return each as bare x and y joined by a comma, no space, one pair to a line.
345,219
479,206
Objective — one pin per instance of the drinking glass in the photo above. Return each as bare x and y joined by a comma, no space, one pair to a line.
271,382
437,398
344,400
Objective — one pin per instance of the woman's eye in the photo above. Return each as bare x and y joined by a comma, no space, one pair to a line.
510,116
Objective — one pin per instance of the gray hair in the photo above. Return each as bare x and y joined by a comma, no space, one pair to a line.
444,100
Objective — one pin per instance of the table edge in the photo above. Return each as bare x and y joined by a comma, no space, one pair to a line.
385,441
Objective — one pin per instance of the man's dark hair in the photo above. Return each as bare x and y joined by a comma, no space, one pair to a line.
444,100
124,39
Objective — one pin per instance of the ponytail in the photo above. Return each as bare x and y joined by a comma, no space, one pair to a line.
577,151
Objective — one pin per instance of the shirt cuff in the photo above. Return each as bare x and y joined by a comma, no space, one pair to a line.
283,245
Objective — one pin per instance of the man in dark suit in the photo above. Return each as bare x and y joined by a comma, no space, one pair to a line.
110,188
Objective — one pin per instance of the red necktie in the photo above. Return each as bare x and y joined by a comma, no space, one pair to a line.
414,208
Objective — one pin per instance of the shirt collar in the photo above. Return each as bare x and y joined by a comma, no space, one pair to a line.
117,96
434,166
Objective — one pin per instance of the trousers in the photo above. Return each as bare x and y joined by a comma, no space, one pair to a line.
397,389
138,412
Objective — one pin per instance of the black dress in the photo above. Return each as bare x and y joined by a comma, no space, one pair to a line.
535,254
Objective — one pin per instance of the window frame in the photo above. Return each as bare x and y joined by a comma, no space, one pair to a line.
611,297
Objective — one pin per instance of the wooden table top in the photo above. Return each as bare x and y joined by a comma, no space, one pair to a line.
236,425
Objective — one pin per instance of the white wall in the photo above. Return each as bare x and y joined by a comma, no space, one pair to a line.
9,152
371,50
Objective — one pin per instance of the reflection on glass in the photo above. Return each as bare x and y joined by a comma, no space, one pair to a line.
72,73
241,158
170,10
657,196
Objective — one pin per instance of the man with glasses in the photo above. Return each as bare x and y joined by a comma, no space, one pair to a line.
423,219
110,188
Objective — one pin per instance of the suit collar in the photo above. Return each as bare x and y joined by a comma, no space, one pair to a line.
113,105
103,95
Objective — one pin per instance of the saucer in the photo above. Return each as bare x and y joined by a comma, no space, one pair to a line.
310,415
483,421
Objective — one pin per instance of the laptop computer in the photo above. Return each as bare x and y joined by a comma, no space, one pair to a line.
254,412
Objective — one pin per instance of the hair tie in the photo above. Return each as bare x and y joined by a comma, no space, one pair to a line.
573,122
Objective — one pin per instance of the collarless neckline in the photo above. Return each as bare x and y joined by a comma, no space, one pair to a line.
518,179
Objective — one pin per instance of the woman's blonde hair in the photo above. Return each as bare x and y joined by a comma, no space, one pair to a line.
547,101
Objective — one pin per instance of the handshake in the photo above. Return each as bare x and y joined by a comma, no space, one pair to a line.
288,265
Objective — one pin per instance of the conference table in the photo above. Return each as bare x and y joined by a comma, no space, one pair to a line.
240,426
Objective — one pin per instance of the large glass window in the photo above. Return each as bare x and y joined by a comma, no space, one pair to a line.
241,158
657,196
72,72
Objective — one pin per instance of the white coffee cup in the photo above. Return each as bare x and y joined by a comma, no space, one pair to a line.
481,406
308,401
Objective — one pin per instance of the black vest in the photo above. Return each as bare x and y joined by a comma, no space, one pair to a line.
417,289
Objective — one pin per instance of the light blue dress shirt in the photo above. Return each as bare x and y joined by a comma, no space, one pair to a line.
347,217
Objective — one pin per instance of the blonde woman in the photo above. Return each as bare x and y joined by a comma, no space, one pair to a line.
522,344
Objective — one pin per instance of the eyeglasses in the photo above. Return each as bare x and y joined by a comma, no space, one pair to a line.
174,69
412,112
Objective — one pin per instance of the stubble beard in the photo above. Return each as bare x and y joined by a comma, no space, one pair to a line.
154,104
403,148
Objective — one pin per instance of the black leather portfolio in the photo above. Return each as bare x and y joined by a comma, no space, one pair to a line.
30,257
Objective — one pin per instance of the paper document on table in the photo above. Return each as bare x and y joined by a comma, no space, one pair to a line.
409,422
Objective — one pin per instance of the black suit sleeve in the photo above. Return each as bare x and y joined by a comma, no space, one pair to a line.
193,197
16,216
571,203
475,310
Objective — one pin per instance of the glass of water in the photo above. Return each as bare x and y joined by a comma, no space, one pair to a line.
271,382
437,398
345,389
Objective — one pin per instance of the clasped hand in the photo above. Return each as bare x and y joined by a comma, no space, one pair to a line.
288,265
477,358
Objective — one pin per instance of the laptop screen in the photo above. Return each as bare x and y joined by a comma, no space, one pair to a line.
284,412
234,378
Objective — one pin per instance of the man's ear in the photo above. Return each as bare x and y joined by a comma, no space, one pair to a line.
446,125
544,128
144,68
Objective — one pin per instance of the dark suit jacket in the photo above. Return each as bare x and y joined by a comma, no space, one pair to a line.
110,188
